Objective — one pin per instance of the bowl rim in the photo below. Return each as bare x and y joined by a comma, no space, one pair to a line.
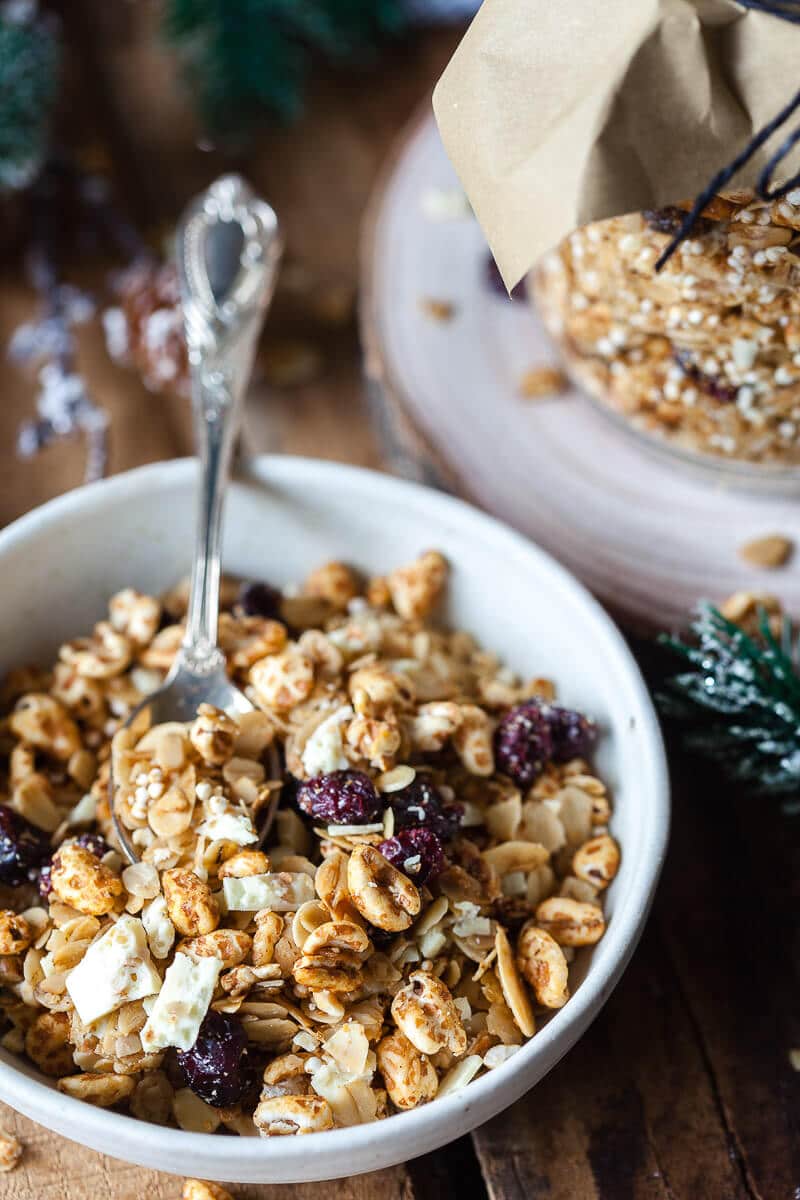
65,1114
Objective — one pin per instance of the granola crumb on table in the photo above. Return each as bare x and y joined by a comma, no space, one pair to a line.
439,856
198,1189
10,1150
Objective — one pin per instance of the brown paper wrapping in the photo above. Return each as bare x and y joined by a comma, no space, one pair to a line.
559,112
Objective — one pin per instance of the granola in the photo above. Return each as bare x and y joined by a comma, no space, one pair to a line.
440,851
706,353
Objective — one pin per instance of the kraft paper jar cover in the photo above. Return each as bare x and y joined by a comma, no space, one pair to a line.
559,112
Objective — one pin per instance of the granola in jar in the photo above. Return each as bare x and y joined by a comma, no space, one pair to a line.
439,855
704,354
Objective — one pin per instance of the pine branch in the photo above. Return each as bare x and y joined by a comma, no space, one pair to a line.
248,59
29,78
739,701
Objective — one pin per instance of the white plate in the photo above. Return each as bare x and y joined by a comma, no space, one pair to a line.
649,538
61,562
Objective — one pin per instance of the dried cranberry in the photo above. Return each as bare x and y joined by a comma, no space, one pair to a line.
670,219
23,848
421,804
495,281
218,1067
259,600
712,385
417,852
573,735
523,743
341,798
94,843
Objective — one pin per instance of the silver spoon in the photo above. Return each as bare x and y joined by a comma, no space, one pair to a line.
228,251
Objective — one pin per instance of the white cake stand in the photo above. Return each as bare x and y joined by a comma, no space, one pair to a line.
648,537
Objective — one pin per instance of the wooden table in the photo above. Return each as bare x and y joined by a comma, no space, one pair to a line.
682,1089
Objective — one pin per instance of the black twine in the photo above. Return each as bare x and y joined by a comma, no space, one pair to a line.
788,10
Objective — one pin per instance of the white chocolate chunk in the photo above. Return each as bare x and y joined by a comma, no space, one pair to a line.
324,750
182,1003
280,891
230,826
158,926
113,971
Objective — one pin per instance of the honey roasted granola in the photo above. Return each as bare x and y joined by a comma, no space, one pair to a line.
704,354
440,851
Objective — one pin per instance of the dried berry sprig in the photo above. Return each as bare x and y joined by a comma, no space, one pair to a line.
739,701
63,404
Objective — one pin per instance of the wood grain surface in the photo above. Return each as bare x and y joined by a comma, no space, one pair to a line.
682,1089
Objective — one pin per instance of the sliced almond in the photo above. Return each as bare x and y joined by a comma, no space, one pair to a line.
768,552
514,991
516,856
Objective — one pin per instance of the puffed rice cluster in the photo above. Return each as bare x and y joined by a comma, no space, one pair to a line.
360,992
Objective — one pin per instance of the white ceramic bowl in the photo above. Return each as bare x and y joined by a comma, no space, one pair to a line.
61,562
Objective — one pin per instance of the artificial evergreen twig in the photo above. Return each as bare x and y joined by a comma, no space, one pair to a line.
29,76
738,702
246,59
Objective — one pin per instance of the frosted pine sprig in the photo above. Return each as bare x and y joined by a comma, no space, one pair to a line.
738,701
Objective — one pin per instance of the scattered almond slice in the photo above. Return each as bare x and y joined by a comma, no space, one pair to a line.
542,381
10,1150
290,363
769,552
437,310
199,1189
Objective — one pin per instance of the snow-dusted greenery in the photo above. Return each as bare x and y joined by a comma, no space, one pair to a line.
738,701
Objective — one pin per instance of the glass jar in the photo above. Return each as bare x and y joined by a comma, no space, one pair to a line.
700,361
